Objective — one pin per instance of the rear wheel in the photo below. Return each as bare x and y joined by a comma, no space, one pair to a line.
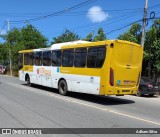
139,93
62,87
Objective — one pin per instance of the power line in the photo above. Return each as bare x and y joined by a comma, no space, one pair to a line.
35,14
76,7
157,5
58,13
123,26
131,24
68,14
51,14
108,23
44,13
48,13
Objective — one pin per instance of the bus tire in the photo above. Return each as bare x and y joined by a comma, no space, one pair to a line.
62,87
139,93
28,81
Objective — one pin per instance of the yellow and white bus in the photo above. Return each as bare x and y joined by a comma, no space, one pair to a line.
110,67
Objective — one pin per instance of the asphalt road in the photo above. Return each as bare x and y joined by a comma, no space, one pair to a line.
40,107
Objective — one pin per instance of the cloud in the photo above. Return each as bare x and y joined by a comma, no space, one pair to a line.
96,14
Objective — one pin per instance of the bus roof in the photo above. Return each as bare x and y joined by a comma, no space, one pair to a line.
56,46
78,43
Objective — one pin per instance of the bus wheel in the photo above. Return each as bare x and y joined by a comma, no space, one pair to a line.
139,93
28,81
62,87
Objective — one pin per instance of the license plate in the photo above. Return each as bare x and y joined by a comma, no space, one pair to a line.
125,90
155,86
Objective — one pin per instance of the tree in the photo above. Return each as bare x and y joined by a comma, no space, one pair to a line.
133,34
89,37
32,38
152,50
66,36
20,39
4,54
13,37
100,35
28,36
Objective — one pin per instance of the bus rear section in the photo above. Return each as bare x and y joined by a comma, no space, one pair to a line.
125,68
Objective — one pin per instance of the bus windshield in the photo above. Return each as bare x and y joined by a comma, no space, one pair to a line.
20,61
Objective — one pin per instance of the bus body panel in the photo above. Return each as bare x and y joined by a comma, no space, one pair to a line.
123,58
85,80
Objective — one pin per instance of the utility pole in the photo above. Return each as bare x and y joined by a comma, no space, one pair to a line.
10,54
144,23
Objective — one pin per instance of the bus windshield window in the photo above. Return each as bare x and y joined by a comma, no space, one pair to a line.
20,61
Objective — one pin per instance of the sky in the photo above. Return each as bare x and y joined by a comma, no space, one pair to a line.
52,17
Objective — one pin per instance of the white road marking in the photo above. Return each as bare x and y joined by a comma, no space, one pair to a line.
85,104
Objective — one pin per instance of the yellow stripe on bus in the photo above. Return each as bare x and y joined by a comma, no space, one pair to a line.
27,68
81,71
26,51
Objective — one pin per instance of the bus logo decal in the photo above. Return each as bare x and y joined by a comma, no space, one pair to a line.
91,79
118,82
58,70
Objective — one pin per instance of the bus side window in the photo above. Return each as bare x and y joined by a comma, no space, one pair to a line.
28,58
91,57
47,58
34,54
100,56
96,57
56,58
80,57
38,58
67,58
